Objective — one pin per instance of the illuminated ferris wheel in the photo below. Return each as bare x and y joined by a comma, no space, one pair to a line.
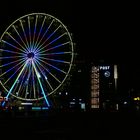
36,55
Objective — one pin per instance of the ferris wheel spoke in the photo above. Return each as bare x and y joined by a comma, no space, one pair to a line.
3,65
52,66
55,60
29,70
60,45
9,92
41,47
20,37
10,57
12,68
29,26
39,67
35,26
42,89
13,74
40,29
52,33
55,39
48,71
56,68
27,82
57,46
26,92
49,84
23,49
13,52
21,83
12,45
34,90
57,53
37,43
25,36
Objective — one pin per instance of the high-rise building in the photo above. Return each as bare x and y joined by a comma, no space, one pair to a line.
103,86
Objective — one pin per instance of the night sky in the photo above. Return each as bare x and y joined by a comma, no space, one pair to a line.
101,31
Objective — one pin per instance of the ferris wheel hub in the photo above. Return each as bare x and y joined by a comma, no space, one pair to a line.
30,55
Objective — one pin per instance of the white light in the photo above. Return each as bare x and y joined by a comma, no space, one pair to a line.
59,93
26,103
20,108
72,103
79,70
38,75
83,106
66,93
46,78
115,72
107,74
125,102
104,67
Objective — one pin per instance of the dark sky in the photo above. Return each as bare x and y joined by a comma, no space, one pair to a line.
101,31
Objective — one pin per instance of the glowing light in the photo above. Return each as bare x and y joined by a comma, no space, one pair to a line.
41,29
107,74
125,102
9,92
46,77
38,75
41,65
26,103
56,39
37,43
104,67
20,38
137,99
115,72
40,108
36,56
25,36
12,46
83,106
40,84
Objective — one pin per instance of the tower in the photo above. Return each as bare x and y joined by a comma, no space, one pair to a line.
103,86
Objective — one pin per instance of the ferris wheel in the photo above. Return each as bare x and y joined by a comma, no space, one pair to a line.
36,56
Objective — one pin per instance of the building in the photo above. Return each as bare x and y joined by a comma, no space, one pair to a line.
103,86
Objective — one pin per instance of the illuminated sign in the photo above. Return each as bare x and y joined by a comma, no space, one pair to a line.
104,67
107,74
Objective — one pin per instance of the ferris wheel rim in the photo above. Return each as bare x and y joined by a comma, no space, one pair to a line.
72,51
